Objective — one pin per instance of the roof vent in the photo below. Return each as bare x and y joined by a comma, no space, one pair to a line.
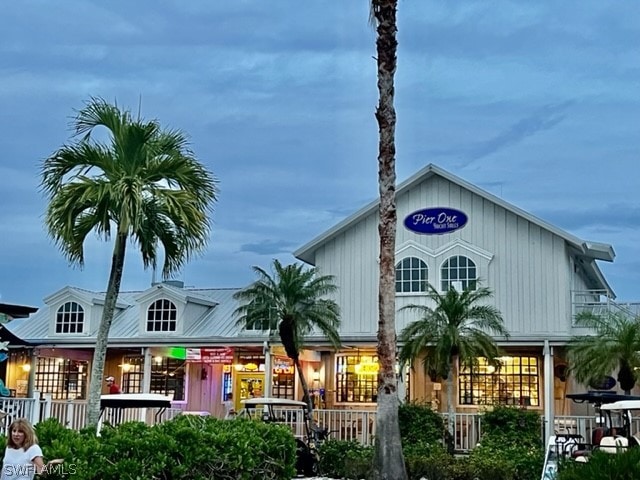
174,283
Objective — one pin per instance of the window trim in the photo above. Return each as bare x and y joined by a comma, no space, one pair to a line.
423,266
84,322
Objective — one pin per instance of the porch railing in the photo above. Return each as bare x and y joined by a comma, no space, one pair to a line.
357,425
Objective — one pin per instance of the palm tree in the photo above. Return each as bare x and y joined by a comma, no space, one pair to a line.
614,344
291,301
457,328
143,185
388,458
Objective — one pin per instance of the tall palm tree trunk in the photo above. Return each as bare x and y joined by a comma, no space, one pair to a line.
451,411
388,459
102,339
304,385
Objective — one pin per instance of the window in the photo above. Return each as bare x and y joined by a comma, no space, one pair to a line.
283,381
63,379
356,378
167,377
513,382
70,318
132,373
458,272
161,316
411,276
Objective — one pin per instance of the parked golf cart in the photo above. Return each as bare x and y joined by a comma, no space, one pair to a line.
611,427
294,414
118,402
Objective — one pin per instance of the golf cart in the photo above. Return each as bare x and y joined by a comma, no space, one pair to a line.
572,445
116,403
294,414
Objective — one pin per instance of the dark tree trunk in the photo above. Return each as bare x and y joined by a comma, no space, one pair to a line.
388,458
285,329
102,338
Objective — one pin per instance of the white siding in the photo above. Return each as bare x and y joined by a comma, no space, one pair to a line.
529,268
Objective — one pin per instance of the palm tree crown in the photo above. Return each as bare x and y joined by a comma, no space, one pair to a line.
456,327
145,182
291,301
615,344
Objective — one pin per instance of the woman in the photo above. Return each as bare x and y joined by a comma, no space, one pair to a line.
23,455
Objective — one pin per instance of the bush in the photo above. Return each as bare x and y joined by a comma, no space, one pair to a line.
186,448
601,465
345,459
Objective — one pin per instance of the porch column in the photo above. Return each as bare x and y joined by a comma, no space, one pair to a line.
268,369
32,373
549,415
146,370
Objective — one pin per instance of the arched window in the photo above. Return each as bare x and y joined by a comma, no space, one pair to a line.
161,316
70,318
411,275
458,272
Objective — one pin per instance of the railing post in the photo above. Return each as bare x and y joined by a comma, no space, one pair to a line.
34,413
46,406
69,413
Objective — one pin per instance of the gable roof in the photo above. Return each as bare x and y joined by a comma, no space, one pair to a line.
589,251
215,325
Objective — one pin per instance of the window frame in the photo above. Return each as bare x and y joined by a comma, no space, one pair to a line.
159,313
402,270
70,314
467,282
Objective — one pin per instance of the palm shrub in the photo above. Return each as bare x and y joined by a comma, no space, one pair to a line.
601,465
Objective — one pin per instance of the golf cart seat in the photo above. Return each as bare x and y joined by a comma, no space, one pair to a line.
613,444
596,437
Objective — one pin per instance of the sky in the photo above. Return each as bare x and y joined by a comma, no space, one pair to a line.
535,102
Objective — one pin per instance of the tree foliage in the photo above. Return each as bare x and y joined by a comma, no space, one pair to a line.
292,301
613,345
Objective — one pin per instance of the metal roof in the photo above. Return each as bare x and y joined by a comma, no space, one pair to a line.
216,325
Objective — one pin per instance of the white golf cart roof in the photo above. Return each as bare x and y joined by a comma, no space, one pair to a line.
275,402
135,400
622,405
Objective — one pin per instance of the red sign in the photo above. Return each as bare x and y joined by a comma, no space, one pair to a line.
216,355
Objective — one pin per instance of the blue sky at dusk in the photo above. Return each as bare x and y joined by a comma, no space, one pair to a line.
536,102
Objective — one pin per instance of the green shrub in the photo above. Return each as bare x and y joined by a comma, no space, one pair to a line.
420,424
186,448
512,425
601,465
345,459
426,460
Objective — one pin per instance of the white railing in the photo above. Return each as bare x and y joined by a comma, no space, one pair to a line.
355,425
599,302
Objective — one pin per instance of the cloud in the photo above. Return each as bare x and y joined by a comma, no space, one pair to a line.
268,247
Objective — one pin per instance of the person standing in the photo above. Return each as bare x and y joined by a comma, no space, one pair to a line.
23,456
229,408
114,388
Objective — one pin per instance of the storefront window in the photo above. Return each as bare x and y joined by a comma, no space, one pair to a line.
514,381
356,378
167,377
63,379
132,373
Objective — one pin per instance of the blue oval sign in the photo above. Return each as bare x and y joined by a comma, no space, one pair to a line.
604,383
435,221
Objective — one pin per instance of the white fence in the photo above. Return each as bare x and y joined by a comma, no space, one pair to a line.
357,425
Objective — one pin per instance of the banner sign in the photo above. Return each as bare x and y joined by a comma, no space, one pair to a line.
435,221
210,355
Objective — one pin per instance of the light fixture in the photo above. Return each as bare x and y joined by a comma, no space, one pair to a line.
126,367
26,367
157,359
316,375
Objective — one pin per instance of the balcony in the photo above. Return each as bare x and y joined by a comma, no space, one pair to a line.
599,302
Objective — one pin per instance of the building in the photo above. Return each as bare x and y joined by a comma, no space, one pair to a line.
451,233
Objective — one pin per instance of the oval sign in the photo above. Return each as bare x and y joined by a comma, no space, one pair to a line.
435,221
604,383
